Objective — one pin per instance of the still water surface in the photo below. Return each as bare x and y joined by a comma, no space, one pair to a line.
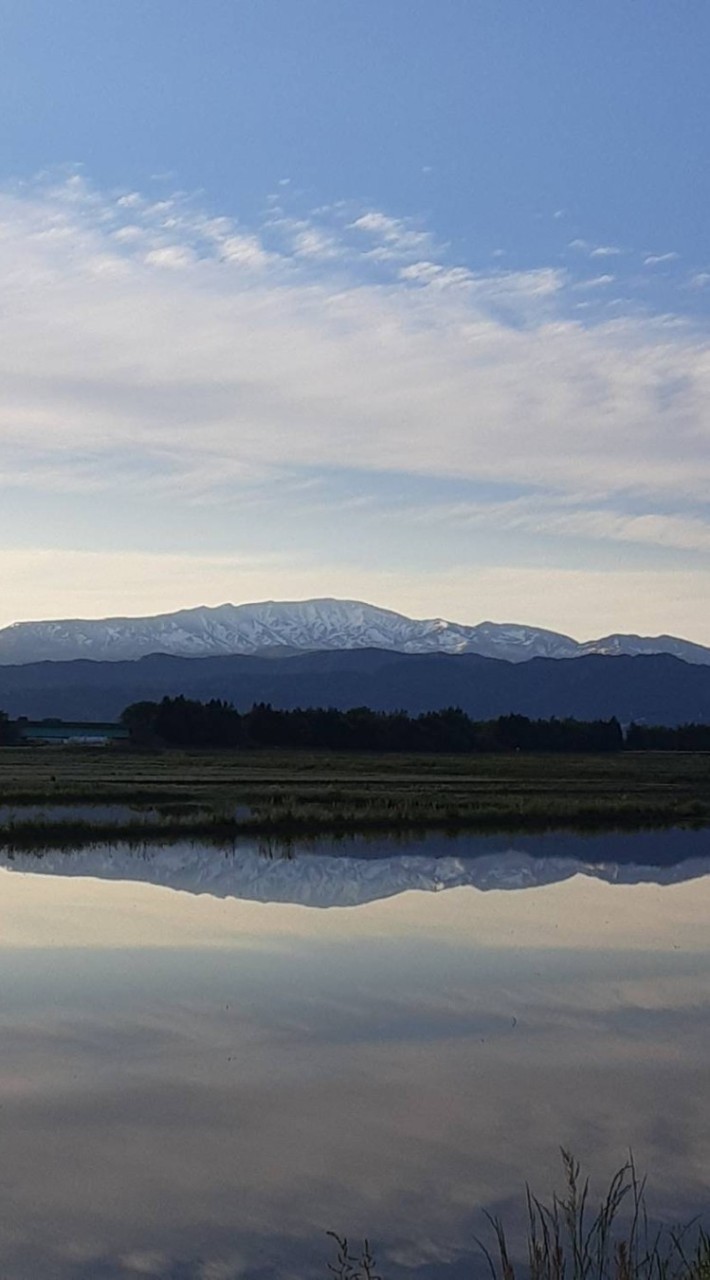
207,1060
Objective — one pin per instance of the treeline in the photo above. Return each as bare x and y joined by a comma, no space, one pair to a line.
8,731
183,722
186,723
658,737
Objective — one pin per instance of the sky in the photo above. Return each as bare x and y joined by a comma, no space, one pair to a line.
405,301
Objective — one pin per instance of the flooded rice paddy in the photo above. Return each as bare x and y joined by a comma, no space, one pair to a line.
209,1058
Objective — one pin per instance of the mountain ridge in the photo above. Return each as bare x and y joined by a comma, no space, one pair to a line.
648,688
320,624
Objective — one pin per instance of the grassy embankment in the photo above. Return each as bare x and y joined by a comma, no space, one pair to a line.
221,796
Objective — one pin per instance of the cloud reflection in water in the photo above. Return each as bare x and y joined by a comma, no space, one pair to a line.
193,1087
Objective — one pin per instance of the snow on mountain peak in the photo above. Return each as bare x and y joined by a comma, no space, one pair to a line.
325,623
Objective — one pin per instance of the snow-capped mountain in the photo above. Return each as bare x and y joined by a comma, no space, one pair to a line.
318,880
307,625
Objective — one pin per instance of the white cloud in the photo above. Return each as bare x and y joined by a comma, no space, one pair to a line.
433,273
654,259
174,256
313,243
551,516
245,250
596,282
595,250
396,237
129,233
130,201
379,224
250,356
491,381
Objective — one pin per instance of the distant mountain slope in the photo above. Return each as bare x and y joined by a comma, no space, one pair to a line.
307,625
657,689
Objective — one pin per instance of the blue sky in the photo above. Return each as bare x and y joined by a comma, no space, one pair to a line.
401,300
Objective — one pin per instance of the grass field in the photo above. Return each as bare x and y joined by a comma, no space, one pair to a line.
219,795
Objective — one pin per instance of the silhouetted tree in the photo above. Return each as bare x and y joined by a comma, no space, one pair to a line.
8,731
184,722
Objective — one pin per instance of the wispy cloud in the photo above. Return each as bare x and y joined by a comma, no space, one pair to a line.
393,236
595,250
595,282
551,516
195,335
150,343
655,259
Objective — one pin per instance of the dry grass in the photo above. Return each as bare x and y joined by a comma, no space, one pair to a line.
569,1239
291,794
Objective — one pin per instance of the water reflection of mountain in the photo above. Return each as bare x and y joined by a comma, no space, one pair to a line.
328,879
